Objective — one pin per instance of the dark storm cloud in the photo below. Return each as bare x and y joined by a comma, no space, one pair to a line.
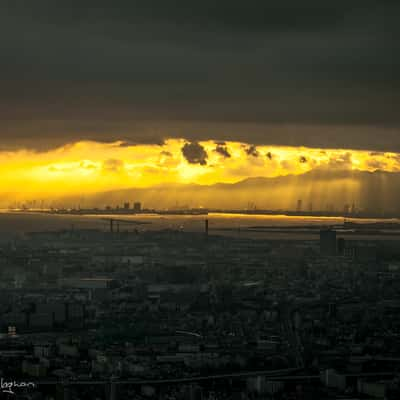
222,150
302,159
195,153
252,151
139,141
255,15
312,73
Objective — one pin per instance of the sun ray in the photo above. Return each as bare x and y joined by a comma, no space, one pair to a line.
96,166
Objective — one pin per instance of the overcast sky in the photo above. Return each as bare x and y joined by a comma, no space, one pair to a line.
313,73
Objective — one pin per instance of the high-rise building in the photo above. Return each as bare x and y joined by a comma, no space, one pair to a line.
332,310
299,205
341,246
327,240
126,206
137,206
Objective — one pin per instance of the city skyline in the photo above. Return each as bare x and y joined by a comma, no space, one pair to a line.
94,168
199,200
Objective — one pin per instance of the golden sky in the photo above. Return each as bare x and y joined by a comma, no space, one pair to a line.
87,167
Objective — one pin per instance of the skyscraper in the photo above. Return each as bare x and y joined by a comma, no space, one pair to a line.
341,246
327,240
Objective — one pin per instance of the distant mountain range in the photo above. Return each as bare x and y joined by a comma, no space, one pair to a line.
319,189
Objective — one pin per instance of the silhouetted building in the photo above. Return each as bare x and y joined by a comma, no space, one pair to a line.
341,244
126,206
332,310
327,239
137,206
299,205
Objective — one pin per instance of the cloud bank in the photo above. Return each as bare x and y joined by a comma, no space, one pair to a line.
93,167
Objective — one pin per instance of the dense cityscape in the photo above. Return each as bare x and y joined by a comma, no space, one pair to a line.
169,314
199,200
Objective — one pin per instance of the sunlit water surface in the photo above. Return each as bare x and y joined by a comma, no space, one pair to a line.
223,224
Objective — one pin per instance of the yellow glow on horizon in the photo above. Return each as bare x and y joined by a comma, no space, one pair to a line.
87,167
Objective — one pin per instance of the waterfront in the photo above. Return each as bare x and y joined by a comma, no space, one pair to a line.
256,226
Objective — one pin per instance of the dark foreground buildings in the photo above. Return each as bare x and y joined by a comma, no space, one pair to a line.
86,314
